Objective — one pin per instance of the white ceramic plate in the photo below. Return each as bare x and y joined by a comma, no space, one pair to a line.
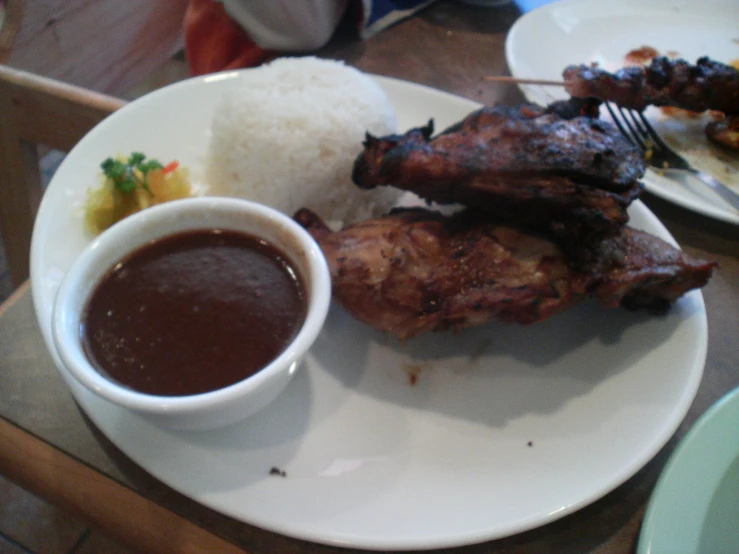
371,460
695,506
545,41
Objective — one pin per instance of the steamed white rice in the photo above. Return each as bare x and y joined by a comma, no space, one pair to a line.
288,134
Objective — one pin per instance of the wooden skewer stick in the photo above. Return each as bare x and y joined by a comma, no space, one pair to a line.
514,80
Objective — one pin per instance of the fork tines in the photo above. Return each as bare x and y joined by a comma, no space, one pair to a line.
640,131
636,128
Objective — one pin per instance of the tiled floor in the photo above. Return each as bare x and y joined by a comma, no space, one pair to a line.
28,525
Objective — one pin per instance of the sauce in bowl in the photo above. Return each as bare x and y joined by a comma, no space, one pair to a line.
193,312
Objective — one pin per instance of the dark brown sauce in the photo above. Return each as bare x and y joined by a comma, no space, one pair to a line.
193,312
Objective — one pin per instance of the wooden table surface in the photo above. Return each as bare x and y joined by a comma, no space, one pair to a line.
48,445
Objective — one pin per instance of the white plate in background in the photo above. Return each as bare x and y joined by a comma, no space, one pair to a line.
507,427
571,32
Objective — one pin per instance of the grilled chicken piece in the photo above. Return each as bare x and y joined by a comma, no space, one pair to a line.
498,142
416,270
707,85
573,178
636,270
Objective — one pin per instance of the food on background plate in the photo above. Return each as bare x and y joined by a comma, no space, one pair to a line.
288,133
572,178
193,312
416,270
707,85
724,132
131,184
641,56
721,130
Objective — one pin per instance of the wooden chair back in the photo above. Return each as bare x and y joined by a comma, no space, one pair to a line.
36,111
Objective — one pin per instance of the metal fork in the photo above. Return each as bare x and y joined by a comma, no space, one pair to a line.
635,127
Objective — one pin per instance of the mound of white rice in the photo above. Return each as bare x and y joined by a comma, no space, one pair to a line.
288,134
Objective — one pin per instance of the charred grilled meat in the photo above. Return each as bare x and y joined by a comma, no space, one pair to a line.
575,107
572,178
416,270
707,85
498,142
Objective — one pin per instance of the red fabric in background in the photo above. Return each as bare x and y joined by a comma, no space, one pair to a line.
214,42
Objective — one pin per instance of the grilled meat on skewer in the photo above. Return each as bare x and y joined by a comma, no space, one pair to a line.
707,85
416,270
570,178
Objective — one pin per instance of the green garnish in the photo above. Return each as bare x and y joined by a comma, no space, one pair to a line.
129,175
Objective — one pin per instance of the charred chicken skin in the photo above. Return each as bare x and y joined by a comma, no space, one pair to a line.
415,271
525,141
572,178
707,85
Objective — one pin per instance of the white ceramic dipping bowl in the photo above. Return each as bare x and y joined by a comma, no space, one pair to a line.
222,406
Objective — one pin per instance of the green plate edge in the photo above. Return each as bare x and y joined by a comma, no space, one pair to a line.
677,512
